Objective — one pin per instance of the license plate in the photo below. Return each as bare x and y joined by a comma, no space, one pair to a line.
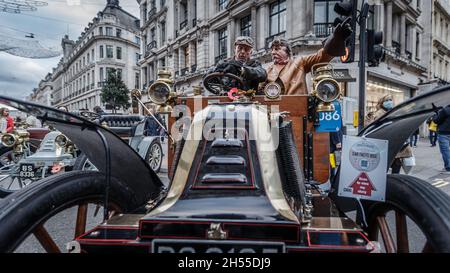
27,171
196,246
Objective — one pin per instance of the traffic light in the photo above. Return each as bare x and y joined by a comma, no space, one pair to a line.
375,51
347,8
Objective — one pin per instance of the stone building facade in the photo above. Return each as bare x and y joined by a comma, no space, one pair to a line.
438,40
110,41
190,36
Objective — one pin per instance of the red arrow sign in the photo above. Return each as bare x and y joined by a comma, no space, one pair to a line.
362,185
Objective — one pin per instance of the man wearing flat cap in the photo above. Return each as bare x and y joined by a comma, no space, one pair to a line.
251,71
291,72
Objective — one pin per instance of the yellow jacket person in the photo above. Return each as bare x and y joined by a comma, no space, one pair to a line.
291,72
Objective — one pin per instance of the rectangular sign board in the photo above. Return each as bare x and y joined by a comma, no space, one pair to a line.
363,170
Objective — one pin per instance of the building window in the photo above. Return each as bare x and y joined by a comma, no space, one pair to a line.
119,73
102,75
137,56
100,30
222,42
137,40
418,46
163,32
93,55
119,53
246,26
324,17
163,3
109,51
162,63
101,52
136,80
109,31
118,32
222,4
88,58
278,17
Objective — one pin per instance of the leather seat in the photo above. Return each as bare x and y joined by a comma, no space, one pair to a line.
122,124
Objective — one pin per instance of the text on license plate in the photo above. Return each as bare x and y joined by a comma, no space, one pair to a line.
26,170
196,246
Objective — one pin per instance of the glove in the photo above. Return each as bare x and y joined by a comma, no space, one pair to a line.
335,45
232,69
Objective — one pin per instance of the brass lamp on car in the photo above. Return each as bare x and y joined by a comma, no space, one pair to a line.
16,140
325,87
161,92
61,140
9,140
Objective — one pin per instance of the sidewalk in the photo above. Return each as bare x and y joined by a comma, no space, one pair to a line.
429,165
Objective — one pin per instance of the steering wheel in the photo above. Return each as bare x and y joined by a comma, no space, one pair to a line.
220,83
90,115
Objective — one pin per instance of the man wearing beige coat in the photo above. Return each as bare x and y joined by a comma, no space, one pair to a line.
291,72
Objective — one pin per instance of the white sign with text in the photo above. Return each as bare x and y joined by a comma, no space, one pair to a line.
363,170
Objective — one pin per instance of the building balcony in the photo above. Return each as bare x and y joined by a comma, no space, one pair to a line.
151,14
151,45
184,71
183,24
322,30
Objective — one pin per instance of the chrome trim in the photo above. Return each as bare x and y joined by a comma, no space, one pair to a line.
269,167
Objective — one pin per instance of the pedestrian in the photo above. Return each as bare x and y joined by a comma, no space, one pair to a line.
152,127
413,138
442,119
432,127
335,151
6,122
384,105
99,110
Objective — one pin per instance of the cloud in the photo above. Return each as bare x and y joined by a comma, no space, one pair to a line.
18,76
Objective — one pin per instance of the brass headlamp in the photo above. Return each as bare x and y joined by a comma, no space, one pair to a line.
325,87
61,140
161,92
16,140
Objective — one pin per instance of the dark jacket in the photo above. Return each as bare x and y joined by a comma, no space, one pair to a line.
442,119
253,74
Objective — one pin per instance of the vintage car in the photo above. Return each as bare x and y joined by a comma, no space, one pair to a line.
32,137
55,153
131,128
232,189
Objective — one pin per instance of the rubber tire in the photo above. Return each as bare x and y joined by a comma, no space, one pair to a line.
147,156
426,205
22,211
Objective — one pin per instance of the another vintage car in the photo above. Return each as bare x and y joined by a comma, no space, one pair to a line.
133,129
233,190
56,153
33,136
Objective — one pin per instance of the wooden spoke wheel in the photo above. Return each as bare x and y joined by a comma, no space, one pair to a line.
32,210
414,211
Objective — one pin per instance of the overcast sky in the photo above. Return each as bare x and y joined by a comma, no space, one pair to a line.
18,76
